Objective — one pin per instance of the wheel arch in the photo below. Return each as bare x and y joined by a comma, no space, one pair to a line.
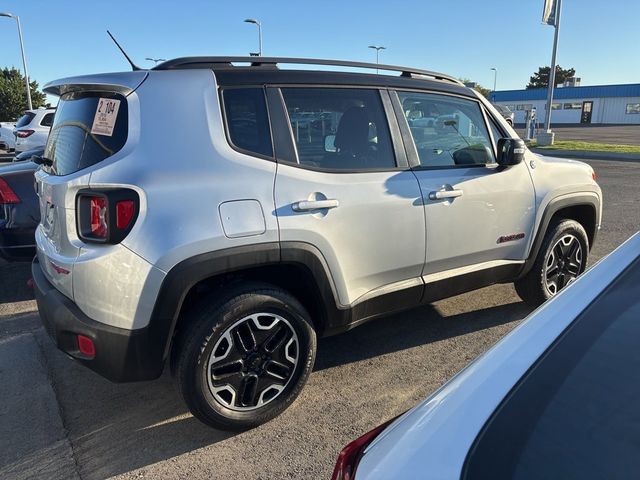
583,208
298,268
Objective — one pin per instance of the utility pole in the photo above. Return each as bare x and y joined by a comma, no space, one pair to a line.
256,22
24,59
495,82
377,48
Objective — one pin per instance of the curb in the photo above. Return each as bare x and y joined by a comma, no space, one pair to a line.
633,157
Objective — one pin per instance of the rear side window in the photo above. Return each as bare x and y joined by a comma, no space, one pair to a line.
247,120
47,120
87,128
339,128
25,119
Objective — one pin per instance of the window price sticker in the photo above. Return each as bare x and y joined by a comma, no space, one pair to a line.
105,118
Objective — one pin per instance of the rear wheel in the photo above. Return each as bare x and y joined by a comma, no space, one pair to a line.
245,357
561,258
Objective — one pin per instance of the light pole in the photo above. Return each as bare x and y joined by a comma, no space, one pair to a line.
156,60
495,81
377,48
552,70
24,60
550,16
256,22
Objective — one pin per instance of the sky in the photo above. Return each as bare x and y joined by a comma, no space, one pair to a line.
464,38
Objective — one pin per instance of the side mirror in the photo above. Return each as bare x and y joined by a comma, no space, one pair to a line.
329,144
510,151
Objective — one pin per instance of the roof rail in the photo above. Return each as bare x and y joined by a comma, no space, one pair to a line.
226,62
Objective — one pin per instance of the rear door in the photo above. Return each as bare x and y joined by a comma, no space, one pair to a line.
345,188
477,215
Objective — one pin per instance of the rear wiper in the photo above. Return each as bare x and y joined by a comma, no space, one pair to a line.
41,160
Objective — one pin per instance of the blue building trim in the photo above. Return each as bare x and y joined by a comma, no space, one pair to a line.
566,93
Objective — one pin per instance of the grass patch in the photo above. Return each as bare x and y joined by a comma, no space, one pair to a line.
588,146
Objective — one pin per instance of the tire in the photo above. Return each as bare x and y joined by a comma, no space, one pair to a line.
245,356
540,283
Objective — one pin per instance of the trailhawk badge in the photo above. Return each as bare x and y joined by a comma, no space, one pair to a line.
510,238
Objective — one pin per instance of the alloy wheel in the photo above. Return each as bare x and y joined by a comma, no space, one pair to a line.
253,361
563,264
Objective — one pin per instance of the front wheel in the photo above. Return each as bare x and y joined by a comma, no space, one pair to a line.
562,257
245,357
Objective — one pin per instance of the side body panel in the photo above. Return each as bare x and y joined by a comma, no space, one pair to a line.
555,178
467,230
375,237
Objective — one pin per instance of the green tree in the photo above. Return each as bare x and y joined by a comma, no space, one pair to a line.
540,79
477,87
13,95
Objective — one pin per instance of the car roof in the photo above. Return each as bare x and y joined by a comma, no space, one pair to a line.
437,434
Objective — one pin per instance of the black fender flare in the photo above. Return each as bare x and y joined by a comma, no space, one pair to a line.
553,207
187,273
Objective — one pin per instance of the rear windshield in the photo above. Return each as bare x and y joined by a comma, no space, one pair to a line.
25,119
88,127
47,120
576,414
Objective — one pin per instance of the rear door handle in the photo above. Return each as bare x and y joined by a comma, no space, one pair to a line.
306,205
442,194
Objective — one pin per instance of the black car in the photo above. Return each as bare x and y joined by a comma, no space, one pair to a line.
19,210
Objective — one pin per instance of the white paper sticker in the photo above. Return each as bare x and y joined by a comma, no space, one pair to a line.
105,118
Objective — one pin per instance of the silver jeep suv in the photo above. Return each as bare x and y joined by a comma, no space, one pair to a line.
299,204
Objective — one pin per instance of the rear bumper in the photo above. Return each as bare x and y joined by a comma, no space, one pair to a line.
121,355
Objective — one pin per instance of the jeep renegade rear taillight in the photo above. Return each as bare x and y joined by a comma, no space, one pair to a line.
98,214
106,216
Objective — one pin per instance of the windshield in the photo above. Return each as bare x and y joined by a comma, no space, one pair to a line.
25,119
87,128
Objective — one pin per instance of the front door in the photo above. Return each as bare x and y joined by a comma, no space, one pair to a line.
476,214
587,108
346,196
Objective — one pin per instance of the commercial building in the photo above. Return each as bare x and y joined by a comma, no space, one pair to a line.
601,104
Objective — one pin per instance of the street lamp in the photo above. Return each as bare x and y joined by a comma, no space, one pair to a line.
495,81
24,60
256,22
156,60
377,49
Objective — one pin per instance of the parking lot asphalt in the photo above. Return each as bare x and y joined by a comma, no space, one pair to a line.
80,425
611,134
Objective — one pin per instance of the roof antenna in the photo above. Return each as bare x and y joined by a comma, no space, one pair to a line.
134,67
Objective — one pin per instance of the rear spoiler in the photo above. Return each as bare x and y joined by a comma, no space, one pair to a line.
123,83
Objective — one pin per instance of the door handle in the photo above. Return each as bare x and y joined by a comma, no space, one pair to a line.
442,194
306,205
